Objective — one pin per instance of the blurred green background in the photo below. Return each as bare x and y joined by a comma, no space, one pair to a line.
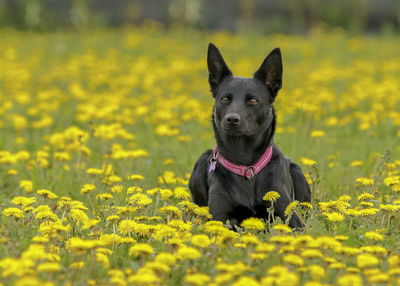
265,16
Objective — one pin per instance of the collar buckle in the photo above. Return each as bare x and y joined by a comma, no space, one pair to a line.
249,173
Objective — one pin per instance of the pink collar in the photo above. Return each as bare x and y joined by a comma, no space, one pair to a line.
246,171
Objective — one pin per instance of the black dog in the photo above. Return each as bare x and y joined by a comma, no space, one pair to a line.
232,179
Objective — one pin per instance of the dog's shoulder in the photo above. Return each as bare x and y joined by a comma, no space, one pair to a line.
279,158
198,180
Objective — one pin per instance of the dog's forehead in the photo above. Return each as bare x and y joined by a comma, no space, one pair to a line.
242,85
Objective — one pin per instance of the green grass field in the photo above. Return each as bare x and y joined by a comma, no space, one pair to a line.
100,130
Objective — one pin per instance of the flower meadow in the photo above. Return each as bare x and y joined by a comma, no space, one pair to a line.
100,130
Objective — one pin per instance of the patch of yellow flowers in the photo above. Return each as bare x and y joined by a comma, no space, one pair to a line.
99,131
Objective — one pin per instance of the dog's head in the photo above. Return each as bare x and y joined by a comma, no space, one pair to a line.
243,106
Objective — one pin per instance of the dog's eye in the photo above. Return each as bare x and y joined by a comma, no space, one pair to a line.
225,99
253,101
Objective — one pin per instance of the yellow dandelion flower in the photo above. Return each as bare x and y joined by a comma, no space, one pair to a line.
117,189
40,239
236,268
250,239
186,252
246,281
140,200
157,267
200,240
293,259
23,201
282,228
76,244
103,259
394,272
341,237
317,133
290,279
79,216
181,193
165,258
373,235
265,247
253,224
47,215
140,249
165,194
271,196
317,272
136,177
291,207
144,276
14,212
308,178
12,172
104,196
26,185
77,265
347,250
47,194
378,278
307,205
277,270
168,161
334,216
170,210
113,218
374,249
394,261
337,265
365,197
396,188
356,163
362,181
202,212
352,212
368,212
282,239
48,267
350,280
366,261
345,198
389,208
258,256
308,162
180,225
88,188
311,253
90,223
197,279
94,171
134,189
392,180
163,231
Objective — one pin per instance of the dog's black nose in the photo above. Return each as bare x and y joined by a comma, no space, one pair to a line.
232,118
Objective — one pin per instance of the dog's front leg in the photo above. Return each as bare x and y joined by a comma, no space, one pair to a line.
221,205
280,208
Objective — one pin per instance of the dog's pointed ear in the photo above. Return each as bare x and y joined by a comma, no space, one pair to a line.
270,72
217,68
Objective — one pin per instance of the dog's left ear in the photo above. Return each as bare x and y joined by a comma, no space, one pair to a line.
270,72
217,68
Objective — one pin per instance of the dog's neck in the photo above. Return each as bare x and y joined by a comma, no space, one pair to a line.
246,150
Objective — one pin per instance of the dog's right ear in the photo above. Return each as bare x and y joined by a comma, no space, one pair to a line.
270,72
217,68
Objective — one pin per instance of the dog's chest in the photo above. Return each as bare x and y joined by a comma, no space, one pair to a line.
247,193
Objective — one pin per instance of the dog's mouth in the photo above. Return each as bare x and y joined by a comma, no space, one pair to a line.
237,131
